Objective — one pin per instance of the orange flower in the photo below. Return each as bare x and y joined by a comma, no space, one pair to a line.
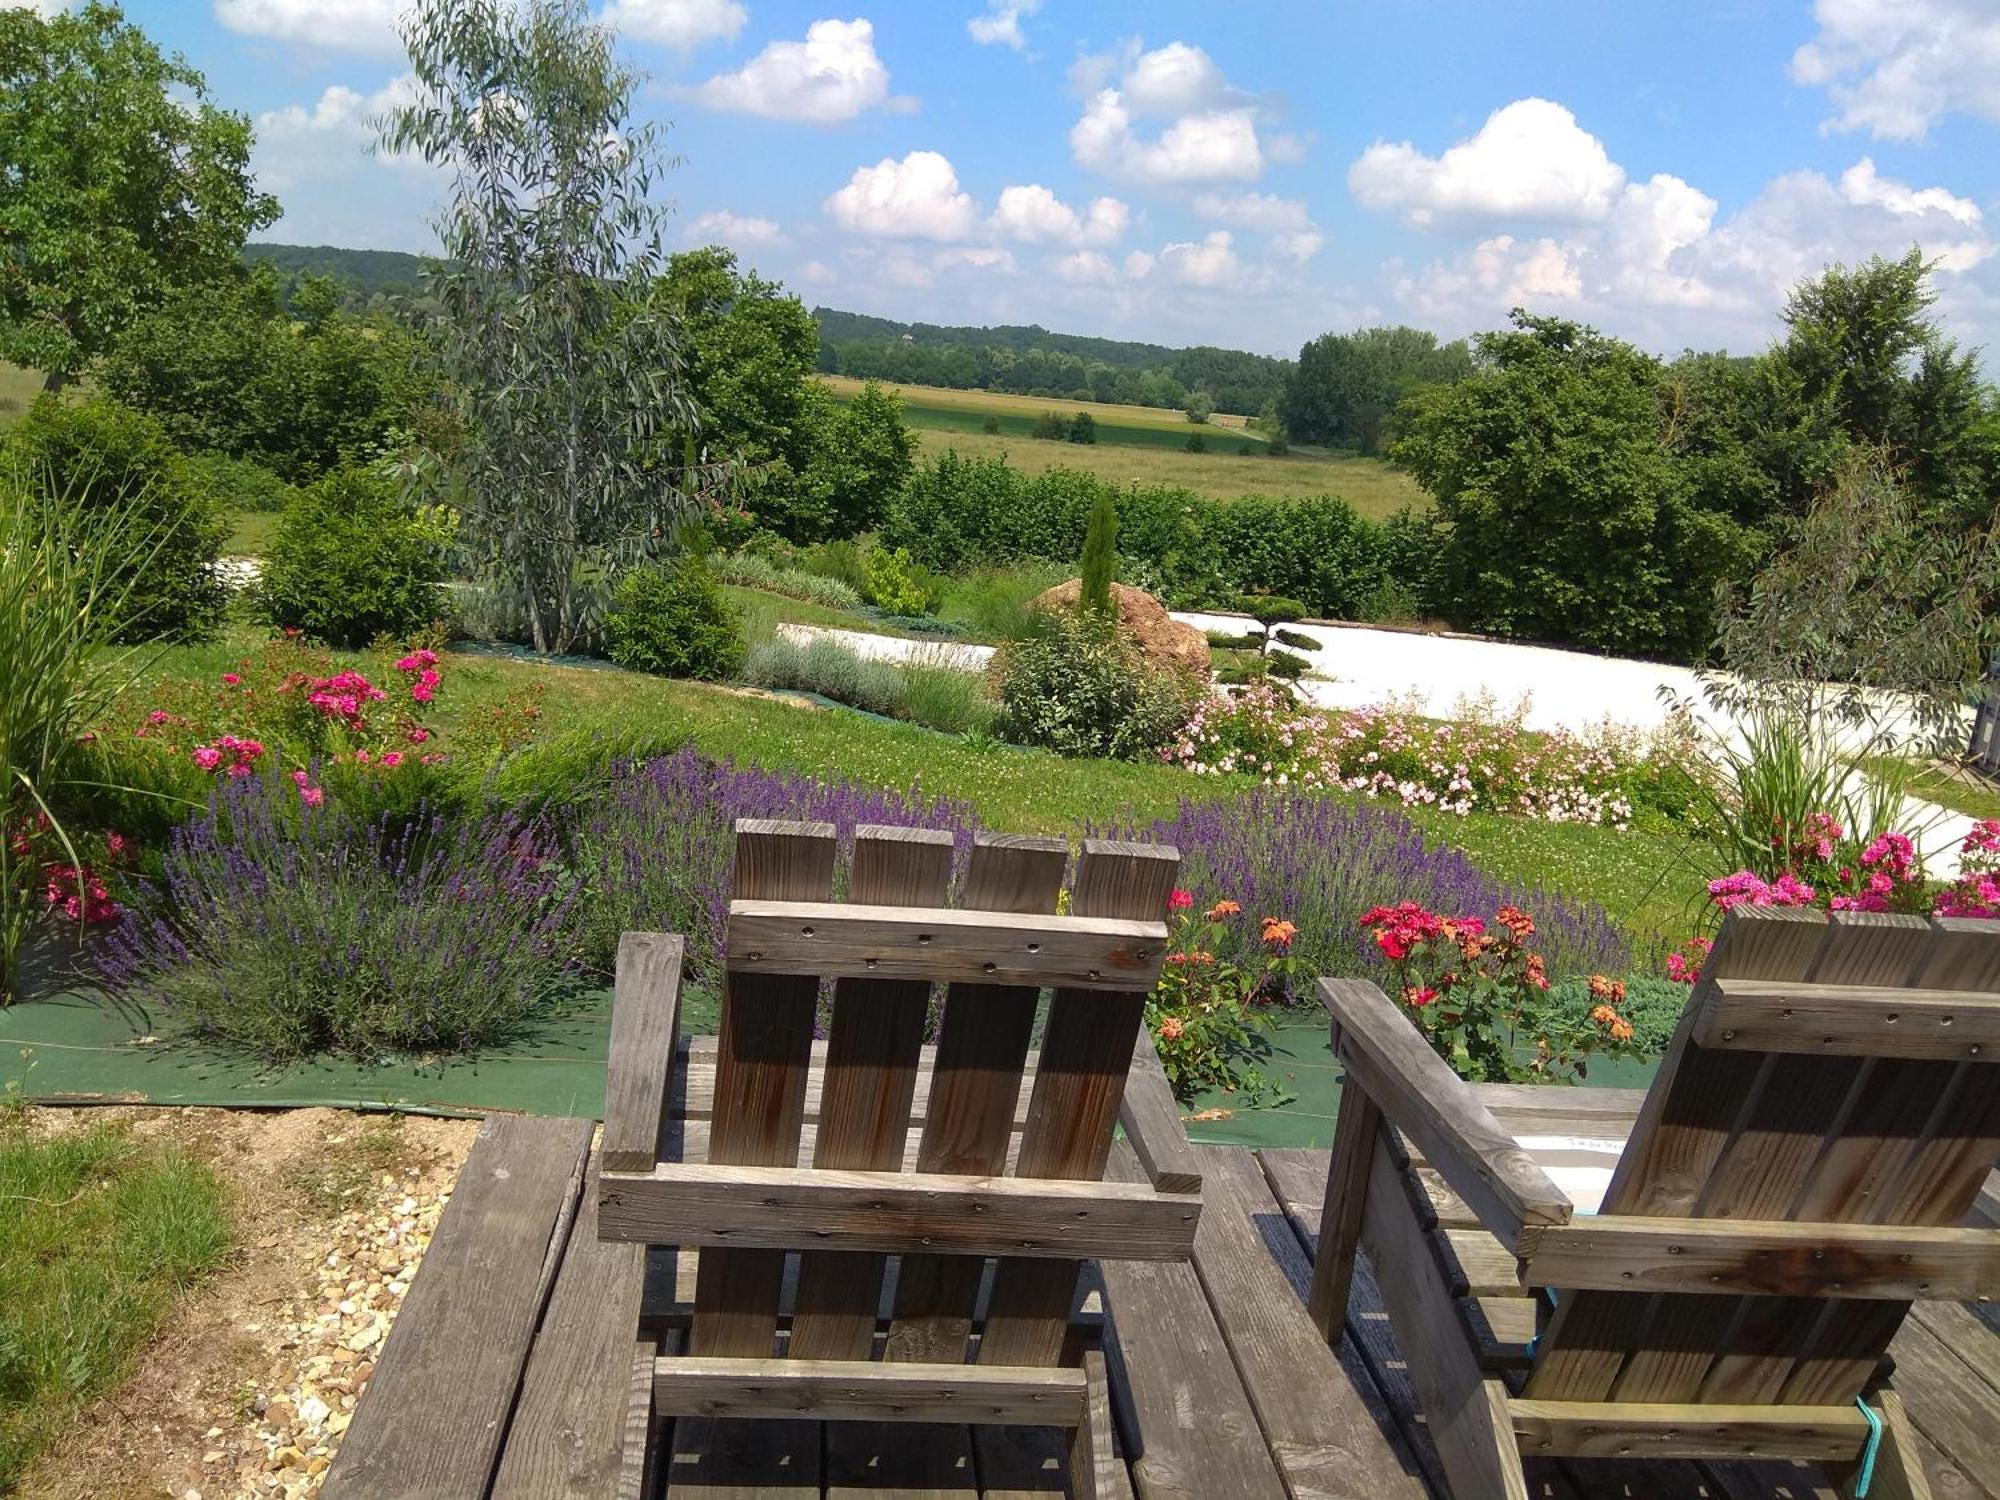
1171,1028
1604,1015
1517,922
1621,1030
1223,909
1612,990
1279,934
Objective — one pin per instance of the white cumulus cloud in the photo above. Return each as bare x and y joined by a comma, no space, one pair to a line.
680,24
915,198
1211,262
1033,214
1208,130
721,227
1086,268
1290,227
1529,160
1000,26
1895,67
329,138
340,25
833,75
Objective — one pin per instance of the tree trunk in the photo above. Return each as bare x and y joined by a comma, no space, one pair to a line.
54,381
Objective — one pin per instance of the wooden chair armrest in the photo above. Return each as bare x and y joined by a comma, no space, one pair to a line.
1388,1059
1151,1120
645,1029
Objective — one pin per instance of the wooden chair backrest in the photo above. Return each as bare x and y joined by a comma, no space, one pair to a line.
874,1048
1812,1126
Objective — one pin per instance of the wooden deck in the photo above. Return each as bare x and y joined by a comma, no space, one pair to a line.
509,1369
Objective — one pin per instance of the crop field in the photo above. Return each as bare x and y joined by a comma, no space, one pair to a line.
1142,445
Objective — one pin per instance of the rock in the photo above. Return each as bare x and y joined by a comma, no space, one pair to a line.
1158,635
313,1411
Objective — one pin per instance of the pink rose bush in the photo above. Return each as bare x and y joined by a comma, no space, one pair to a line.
74,891
1822,864
1976,892
1479,763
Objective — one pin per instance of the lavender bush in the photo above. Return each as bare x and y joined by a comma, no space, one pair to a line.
657,850
1320,863
289,930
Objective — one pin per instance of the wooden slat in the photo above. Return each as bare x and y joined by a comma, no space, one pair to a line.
1630,1429
698,1058
1423,1098
1355,1130
1848,1021
1949,1403
1776,1258
638,1454
568,1435
1078,1086
1151,1120
645,1025
432,1418
1322,1418
1092,1462
778,1208
873,1048
760,1079
1464,1409
943,946
975,1093
711,1386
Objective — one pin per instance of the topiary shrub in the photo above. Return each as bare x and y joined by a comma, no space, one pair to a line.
674,619
1079,687
98,459
350,562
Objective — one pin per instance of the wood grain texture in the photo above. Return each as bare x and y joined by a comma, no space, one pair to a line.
645,1027
1151,1120
568,1434
1092,1461
872,1053
709,1386
1839,1020
1630,1429
943,945
760,1080
1078,1086
1348,1165
431,1421
1418,1094
975,1096
892,1212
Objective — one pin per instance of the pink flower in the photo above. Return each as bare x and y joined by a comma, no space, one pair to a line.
159,716
230,679
418,734
392,758
207,757
312,796
1179,900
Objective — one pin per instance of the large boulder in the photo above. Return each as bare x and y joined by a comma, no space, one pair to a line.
1158,635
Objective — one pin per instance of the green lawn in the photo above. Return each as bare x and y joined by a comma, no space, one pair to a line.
249,533
1962,792
102,1231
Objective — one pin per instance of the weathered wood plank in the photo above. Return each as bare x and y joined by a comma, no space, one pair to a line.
639,1448
645,1025
1092,1463
1840,1020
943,946
1631,1429
775,1208
1322,1418
1355,1130
1457,1135
432,1419
761,1065
1151,1120
1948,1403
1074,1107
568,1433
850,1390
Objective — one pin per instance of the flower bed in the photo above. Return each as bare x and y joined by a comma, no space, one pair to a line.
1482,762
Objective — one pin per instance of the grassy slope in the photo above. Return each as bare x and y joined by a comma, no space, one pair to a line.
117,1228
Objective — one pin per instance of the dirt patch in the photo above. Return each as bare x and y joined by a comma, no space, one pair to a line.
250,1384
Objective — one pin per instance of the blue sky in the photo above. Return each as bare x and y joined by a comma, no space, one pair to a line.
1246,175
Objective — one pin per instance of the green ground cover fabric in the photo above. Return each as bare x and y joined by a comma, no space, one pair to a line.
76,1047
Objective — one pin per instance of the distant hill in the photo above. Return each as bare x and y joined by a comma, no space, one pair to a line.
366,273
1030,360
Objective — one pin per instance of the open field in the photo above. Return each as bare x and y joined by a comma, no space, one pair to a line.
18,389
967,411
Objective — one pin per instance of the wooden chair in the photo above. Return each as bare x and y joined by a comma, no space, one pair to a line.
1801,1169
850,1289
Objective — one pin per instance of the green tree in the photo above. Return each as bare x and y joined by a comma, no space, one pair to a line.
571,416
862,456
119,181
1570,517
1346,384
1083,428
1100,554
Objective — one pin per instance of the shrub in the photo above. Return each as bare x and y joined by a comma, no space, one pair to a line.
351,562
994,602
1051,427
1079,687
286,930
991,426
658,849
1100,556
1209,1016
947,698
1083,428
897,584
1196,443
751,570
675,620
236,483
923,691
840,560
101,459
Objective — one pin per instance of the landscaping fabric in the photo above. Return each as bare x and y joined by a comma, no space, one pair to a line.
78,1047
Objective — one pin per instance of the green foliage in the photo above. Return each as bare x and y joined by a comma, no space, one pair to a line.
1079,687
225,368
1345,385
236,484
994,602
118,182
1273,609
351,561
1083,428
1209,1016
1100,555
103,460
991,426
1051,427
754,571
924,692
1200,406
862,455
1570,517
113,1229
1196,443
675,620
896,584
568,438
